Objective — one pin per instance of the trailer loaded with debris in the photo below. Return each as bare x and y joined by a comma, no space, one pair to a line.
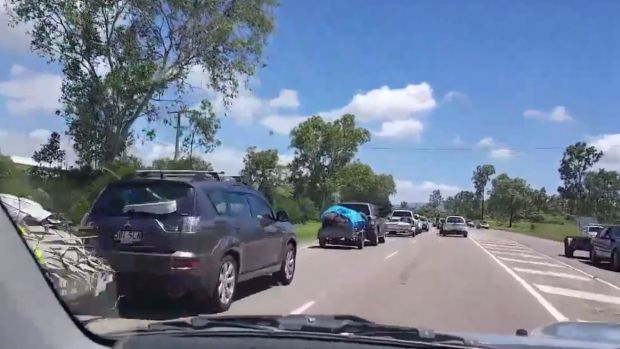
69,260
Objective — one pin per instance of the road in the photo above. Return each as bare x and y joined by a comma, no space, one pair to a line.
492,281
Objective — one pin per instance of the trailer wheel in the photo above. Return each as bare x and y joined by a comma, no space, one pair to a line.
568,251
361,241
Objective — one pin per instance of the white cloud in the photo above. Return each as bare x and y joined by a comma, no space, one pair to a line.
12,38
609,144
453,96
285,159
419,192
28,91
486,142
557,114
401,129
40,134
282,124
385,103
24,144
501,153
286,99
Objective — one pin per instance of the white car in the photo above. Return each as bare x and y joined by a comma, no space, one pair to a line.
399,225
455,225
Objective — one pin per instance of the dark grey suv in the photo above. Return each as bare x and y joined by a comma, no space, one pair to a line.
190,234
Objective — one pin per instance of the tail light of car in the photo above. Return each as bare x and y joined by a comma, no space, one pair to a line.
185,224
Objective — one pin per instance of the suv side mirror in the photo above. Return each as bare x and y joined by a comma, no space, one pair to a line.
282,216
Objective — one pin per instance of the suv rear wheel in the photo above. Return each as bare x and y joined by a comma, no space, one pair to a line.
287,270
221,296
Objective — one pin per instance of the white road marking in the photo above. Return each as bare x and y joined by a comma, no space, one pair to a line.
303,308
596,297
531,262
545,303
509,249
505,242
500,244
519,254
391,255
551,273
583,272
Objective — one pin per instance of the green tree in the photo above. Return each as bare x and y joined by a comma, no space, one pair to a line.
358,182
576,161
260,170
603,194
539,199
450,205
509,197
185,163
481,178
322,150
123,59
50,154
200,133
404,204
435,199
465,203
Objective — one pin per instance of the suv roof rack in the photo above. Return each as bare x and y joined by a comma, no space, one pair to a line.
195,175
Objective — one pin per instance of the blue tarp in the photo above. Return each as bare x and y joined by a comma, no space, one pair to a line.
355,218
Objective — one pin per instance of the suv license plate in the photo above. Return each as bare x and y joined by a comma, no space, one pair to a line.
127,236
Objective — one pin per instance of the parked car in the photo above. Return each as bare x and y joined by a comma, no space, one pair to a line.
470,223
399,225
424,224
440,223
454,225
482,225
190,234
581,242
606,247
374,231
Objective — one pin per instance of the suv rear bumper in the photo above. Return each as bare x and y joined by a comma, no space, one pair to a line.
163,273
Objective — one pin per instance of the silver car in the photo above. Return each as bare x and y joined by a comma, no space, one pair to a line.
455,225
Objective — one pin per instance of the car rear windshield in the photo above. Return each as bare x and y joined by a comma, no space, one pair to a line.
115,197
357,207
401,214
595,229
455,220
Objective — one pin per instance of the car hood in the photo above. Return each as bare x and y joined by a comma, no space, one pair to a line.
560,335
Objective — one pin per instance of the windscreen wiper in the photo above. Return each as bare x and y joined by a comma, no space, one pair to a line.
345,325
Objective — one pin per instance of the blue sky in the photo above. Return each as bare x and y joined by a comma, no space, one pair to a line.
498,78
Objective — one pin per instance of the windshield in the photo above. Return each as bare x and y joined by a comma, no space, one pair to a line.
357,207
174,158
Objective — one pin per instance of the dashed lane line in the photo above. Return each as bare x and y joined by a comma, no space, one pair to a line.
302,308
391,255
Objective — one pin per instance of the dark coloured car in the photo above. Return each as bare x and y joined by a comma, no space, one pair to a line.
606,247
374,223
190,234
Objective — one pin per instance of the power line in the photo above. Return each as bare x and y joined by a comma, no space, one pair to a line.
472,148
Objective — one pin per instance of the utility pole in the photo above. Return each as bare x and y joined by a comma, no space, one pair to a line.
178,129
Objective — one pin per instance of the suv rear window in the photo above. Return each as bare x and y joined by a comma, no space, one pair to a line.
455,220
357,207
116,196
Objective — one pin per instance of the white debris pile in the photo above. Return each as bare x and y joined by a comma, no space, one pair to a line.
76,272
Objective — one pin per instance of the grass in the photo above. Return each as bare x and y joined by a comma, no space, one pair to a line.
551,231
307,231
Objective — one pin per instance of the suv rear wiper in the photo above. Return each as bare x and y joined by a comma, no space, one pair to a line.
337,324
